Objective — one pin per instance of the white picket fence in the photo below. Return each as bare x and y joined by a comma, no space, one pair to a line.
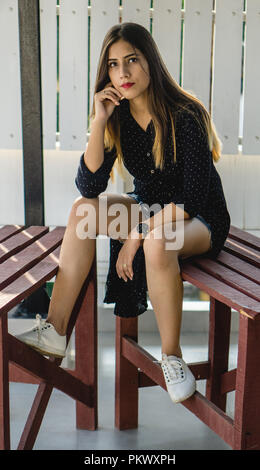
203,48
211,63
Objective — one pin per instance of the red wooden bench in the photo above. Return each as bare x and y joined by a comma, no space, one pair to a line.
232,281
28,258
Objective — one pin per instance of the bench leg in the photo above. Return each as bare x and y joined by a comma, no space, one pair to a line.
86,340
126,386
4,389
35,417
219,339
86,353
247,400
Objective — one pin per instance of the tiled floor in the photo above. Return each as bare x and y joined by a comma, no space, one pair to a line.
162,424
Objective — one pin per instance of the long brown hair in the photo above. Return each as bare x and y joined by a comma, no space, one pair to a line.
165,96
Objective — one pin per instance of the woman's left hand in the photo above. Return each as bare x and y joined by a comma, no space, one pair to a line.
124,264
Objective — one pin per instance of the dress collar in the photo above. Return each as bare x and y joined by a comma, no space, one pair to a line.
125,115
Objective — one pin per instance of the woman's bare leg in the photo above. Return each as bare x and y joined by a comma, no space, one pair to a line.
165,285
77,254
76,258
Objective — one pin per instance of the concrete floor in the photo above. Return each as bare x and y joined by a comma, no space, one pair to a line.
162,424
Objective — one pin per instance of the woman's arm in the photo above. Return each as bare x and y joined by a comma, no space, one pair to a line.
96,163
105,102
94,154
170,213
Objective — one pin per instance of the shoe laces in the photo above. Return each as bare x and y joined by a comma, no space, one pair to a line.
40,325
172,368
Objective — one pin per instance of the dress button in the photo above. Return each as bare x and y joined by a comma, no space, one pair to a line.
152,171
148,154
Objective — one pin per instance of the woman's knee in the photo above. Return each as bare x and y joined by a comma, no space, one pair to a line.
157,256
84,217
105,213
83,206
81,201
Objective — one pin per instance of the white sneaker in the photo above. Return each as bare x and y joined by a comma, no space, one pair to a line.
180,382
44,338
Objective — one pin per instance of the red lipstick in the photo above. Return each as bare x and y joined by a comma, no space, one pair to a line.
127,85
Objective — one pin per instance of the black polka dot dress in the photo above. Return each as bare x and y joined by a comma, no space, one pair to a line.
192,182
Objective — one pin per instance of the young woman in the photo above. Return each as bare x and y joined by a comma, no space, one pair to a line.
166,139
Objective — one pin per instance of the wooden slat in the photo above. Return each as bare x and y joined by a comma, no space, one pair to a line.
242,251
197,49
13,267
20,375
144,380
16,243
73,69
137,11
144,360
250,190
228,381
251,128
226,85
48,371
229,277
218,350
9,230
168,14
4,386
104,15
15,292
200,371
126,377
48,24
10,86
206,411
212,416
244,237
35,417
238,265
220,291
247,398
86,333
11,184
152,372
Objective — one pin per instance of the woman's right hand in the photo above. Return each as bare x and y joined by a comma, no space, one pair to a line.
105,102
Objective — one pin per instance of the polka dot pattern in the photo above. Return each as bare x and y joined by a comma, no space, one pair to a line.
192,181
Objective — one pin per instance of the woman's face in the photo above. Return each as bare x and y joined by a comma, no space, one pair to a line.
128,70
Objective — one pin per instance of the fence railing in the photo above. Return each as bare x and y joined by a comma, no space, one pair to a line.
211,47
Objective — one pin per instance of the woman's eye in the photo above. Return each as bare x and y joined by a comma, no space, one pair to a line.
114,64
